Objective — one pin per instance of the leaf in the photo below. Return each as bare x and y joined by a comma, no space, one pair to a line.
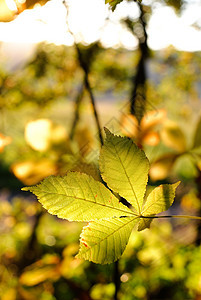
124,167
104,241
32,171
162,167
41,271
173,136
4,141
197,137
113,3
78,197
159,200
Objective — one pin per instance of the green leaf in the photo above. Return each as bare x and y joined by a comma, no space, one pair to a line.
159,200
78,197
124,167
104,241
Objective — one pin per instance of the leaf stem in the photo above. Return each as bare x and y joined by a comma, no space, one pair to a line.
172,216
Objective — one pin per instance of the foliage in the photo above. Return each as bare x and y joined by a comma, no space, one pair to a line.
162,261
173,137
37,249
78,197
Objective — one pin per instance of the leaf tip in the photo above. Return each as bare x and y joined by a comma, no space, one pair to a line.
176,184
107,131
25,189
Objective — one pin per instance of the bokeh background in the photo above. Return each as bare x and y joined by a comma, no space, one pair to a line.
67,69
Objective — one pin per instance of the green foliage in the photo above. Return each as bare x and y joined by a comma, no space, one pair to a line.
185,158
78,197
153,261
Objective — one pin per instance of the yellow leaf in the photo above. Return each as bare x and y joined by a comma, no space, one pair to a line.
162,167
4,141
129,125
38,134
7,14
153,118
173,136
31,171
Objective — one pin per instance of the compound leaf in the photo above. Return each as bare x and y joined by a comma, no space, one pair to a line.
124,167
78,197
104,241
159,200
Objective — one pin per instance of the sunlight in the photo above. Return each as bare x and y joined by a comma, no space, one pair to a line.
90,20
11,5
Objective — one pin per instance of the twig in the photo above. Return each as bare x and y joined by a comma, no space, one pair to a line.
85,68
77,109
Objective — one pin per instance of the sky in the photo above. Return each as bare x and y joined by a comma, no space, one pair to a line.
91,20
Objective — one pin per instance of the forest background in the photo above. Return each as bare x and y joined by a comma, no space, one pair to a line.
53,108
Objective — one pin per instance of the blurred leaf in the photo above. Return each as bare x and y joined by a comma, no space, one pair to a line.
78,197
173,136
102,291
145,132
10,8
161,168
38,134
32,171
153,118
10,294
4,141
42,133
186,167
159,200
175,3
197,137
129,125
113,3
47,269
151,138
5,13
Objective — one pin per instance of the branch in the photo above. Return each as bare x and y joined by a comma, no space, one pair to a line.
77,110
85,68
138,93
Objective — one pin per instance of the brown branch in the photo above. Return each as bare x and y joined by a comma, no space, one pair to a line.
138,93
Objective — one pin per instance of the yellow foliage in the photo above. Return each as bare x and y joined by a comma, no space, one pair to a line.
4,141
145,132
42,133
173,136
31,171
45,269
